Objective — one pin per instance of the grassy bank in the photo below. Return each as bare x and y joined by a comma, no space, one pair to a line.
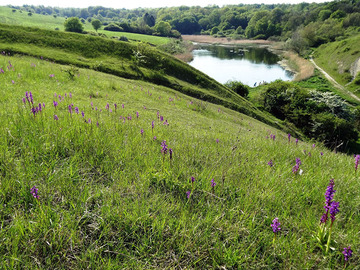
337,59
110,198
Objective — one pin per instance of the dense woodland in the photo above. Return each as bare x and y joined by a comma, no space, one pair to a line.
305,24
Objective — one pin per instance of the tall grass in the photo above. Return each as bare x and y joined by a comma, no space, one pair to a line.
109,198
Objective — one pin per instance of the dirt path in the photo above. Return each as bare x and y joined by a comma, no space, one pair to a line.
335,83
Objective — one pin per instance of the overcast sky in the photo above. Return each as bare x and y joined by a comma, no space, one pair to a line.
130,4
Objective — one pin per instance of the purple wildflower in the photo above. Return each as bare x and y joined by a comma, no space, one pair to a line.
276,225
31,98
329,195
77,110
171,153
34,192
152,125
70,109
347,253
12,81
296,167
270,163
188,193
107,106
89,121
97,123
296,141
154,138
115,105
82,114
217,140
24,100
334,209
192,179
122,105
141,131
166,123
55,103
70,95
321,153
164,147
158,114
357,160
137,114
313,145
213,184
161,118
289,137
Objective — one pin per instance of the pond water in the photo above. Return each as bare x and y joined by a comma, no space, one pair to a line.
248,65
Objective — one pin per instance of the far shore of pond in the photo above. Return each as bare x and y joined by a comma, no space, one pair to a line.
291,61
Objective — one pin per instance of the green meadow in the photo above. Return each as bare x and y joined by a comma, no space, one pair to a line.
115,155
110,197
51,23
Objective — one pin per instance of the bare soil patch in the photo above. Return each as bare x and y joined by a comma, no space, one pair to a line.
225,41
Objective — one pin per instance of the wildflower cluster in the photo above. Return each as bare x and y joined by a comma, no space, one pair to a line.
30,101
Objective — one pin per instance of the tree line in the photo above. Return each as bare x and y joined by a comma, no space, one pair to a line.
305,24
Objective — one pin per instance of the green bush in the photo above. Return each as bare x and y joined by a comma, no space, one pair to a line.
320,115
73,25
114,28
238,88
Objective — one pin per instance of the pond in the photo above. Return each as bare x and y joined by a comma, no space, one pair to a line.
249,65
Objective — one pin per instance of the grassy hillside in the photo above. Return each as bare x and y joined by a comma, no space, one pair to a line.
51,23
133,61
337,58
110,198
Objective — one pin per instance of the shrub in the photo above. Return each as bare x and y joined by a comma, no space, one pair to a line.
123,38
238,88
73,25
114,27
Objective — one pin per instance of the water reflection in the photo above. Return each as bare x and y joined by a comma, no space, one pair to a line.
249,65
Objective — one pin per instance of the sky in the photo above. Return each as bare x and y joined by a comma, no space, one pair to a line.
130,4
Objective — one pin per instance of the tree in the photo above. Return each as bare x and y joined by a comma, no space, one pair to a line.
163,28
149,19
73,24
96,24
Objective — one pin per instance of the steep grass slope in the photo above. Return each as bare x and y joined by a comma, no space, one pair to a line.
111,196
339,59
123,59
